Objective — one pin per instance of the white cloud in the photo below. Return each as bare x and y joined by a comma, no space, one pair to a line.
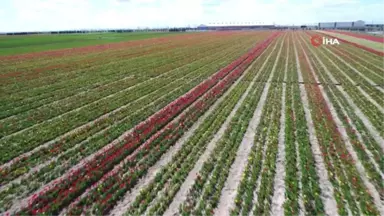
333,3
27,15
50,14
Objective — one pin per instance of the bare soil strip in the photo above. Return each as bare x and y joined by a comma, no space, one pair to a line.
229,191
330,205
182,193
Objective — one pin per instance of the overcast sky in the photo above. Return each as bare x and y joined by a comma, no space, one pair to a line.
42,15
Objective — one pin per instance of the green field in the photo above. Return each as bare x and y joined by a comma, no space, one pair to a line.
12,45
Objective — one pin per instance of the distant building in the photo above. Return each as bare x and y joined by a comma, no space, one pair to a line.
342,25
326,25
236,26
359,23
202,27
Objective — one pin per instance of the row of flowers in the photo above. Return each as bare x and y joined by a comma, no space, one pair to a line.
133,86
91,139
380,53
203,196
58,195
367,150
158,195
339,163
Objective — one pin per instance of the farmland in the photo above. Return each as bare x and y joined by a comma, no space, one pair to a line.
213,123
371,42
11,45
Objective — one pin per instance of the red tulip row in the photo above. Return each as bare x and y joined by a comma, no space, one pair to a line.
55,197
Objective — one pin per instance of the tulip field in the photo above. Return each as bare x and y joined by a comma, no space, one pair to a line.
207,123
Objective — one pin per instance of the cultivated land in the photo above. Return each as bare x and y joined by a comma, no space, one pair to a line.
366,36
371,42
215,123
11,45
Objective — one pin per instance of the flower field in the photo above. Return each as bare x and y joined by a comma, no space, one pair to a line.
213,123
362,35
